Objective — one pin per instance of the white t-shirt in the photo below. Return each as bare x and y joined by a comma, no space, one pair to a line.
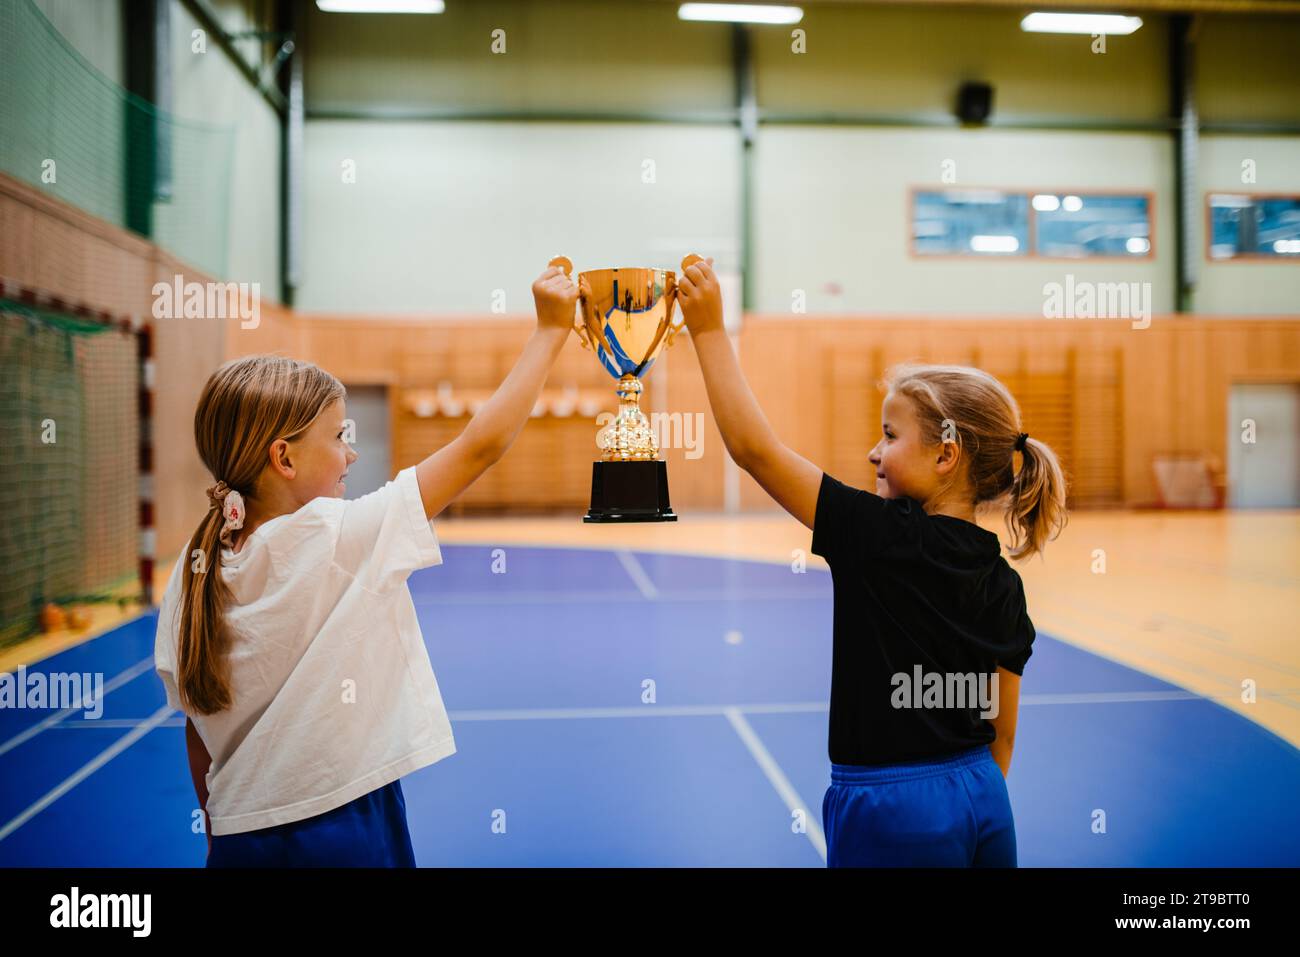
334,695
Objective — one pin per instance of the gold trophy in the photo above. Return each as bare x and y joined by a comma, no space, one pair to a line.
626,317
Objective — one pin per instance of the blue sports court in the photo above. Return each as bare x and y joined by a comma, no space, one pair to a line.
545,693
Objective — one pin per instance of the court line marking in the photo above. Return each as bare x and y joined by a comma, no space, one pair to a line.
163,717
87,769
548,714
1188,624
778,780
816,562
633,711
638,574
587,597
712,710
121,678
1112,650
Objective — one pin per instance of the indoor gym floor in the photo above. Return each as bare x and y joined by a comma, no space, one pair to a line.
1131,704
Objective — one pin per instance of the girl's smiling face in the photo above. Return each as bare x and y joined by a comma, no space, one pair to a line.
905,464
320,457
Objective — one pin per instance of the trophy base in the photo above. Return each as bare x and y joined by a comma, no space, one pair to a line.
629,492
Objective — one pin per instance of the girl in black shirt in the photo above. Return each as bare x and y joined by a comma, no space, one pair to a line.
931,633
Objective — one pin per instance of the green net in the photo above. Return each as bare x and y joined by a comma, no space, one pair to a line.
69,426
73,133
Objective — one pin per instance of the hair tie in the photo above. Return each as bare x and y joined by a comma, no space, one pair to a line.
231,503
1020,441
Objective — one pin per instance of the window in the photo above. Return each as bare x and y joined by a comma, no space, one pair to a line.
1031,223
978,222
1071,225
1242,225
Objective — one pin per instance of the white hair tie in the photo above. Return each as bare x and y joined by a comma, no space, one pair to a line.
231,503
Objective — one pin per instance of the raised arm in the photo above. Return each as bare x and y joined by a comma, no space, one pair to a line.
445,474
791,480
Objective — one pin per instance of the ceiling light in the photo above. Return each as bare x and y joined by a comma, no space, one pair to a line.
1110,24
381,6
739,12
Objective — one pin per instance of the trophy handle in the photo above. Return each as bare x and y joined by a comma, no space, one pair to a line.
579,325
675,327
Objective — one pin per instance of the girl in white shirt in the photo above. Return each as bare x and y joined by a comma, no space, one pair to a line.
287,634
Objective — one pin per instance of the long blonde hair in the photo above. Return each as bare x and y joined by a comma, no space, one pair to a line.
984,421
246,405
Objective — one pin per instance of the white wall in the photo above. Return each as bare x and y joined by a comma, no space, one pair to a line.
832,210
443,214
1248,286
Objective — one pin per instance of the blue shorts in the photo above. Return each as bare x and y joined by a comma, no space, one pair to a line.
949,812
367,832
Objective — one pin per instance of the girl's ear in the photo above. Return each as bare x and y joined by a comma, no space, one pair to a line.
280,461
948,455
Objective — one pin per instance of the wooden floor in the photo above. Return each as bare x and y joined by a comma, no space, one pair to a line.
1208,601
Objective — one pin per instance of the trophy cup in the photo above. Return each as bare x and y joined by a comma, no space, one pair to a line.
626,317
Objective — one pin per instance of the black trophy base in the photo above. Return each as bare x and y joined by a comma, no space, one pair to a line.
629,492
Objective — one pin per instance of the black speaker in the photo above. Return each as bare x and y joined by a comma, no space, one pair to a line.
974,102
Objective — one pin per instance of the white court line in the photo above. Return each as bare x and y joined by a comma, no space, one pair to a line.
734,713
709,710
117,724
638,575
541,714
1113,697
589,597
635,711
777,777
87,769
1114,650
124,677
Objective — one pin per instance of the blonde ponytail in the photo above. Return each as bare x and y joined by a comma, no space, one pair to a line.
984,419
202,670
1036,511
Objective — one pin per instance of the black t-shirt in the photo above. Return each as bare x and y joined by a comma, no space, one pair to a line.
923,603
